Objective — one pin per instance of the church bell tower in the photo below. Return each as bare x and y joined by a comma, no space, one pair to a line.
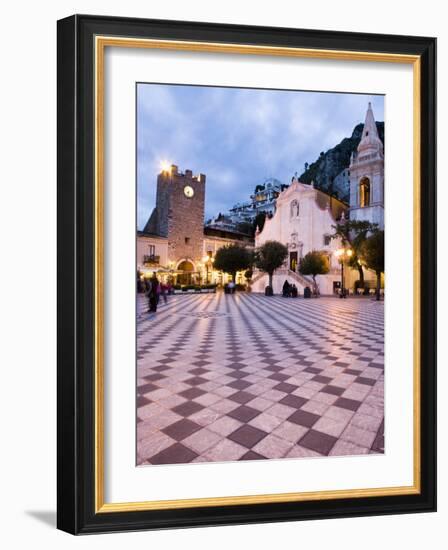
367,175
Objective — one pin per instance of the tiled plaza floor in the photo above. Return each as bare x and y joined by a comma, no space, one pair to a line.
244,376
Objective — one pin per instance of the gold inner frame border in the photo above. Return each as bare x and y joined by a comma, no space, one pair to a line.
101,42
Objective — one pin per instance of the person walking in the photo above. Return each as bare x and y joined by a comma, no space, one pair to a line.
153,293
164,290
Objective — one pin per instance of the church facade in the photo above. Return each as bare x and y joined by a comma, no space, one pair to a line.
305,217
303,222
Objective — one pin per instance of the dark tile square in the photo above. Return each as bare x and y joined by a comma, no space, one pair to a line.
285,387
247,435
241,397
199,370
376,365
188,408
161,368
146,388
236,365
196,381
303,418
154,377
192,393
252,455
318,441
321,379
365,381
352,371
349,404
333,390
313,370
293,401
243,413
274,368
239,384
142,401
201,363
341,364
238,374
181,429
279,376
176,454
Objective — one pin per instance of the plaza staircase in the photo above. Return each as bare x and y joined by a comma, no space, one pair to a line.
301,281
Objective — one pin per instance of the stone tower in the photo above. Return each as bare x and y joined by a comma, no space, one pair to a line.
367,175
179,216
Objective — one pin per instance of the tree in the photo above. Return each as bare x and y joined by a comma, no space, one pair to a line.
354,233
372,254
314,263
269,256
259,220
232,258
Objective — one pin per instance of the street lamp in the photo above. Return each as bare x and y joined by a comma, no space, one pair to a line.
342,254
208,261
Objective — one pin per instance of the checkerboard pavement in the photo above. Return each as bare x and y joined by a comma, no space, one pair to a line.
244,377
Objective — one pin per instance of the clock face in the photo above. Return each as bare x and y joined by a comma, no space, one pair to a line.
188,191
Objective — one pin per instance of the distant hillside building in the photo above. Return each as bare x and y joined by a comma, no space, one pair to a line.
262,200
367,175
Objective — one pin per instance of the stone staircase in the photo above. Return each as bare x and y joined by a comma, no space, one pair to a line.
282,273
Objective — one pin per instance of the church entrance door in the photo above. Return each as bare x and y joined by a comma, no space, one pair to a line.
293,261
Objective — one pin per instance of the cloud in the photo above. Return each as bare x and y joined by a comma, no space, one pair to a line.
237,137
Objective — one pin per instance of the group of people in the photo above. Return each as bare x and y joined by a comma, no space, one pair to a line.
154,289
289,290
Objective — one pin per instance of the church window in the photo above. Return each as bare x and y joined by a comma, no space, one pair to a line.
187,240
327,240
364,192
152,250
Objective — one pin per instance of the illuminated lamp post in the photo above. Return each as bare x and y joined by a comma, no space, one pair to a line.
208,262
342,254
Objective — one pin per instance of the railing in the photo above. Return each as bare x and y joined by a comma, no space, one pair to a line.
151,260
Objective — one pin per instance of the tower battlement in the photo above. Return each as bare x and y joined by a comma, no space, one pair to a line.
173,172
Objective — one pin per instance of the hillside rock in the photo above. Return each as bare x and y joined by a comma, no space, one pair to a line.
331,163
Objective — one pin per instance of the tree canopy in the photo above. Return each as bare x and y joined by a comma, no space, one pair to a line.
270,256
314,263
372,255
354,233
232,258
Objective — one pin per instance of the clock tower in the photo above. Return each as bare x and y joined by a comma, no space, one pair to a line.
179,216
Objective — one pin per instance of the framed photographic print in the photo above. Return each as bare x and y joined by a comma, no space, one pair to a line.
246,274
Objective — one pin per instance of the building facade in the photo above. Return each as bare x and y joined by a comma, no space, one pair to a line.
263,200
174,242
367,175
303,222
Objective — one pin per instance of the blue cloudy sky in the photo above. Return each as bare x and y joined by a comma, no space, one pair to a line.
237,137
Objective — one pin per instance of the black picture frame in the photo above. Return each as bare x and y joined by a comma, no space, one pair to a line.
76,275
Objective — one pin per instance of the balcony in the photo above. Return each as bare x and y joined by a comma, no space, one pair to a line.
151,260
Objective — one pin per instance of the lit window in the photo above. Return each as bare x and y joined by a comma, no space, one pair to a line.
364,192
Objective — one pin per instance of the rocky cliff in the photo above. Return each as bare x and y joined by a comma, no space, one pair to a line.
324,170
